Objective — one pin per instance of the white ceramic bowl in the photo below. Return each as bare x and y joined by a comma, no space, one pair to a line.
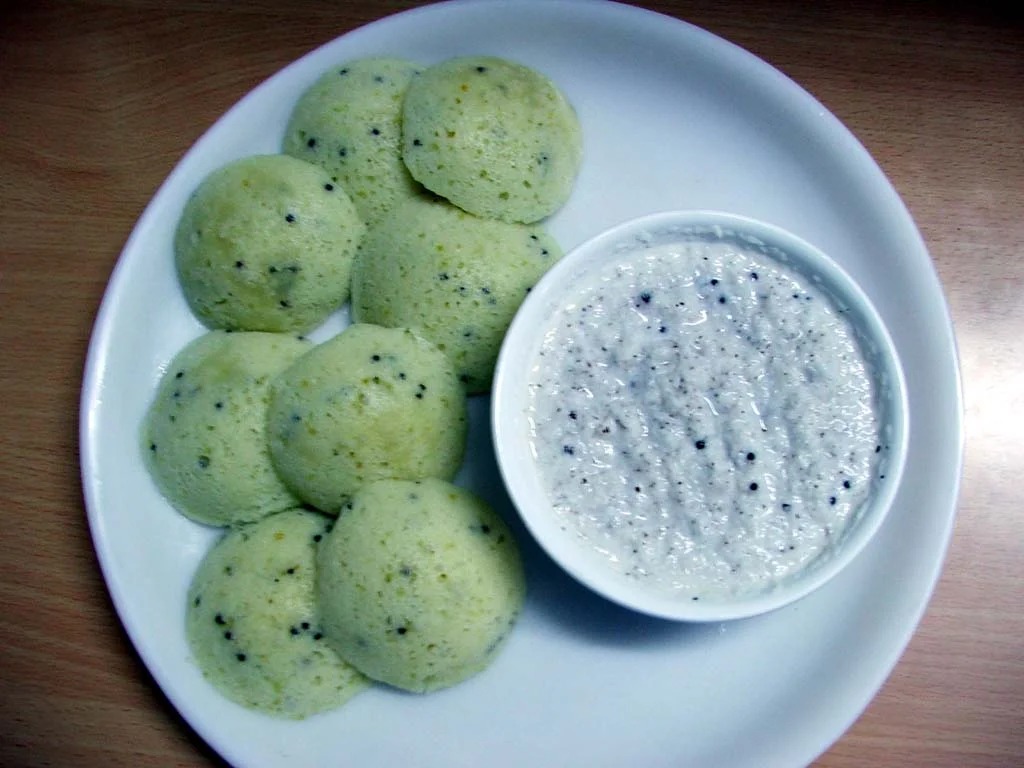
510,405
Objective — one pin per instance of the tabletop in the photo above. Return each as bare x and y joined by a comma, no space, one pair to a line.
100,98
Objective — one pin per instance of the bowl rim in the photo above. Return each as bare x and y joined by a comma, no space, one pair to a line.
517,466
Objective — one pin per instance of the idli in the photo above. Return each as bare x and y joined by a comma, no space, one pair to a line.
369,403
266,244
204,436
495,137
454,278
349,122
418,584
252,622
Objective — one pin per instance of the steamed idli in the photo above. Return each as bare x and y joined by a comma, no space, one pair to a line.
266,244
418,584
454,278
369,403
497,138
204,436
349,122
252,622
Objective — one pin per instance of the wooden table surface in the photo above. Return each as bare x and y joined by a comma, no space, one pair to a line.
98,101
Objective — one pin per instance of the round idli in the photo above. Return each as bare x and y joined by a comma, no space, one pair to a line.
204,435
419,584
497,138
349,122
266,244
252,622
368,404
454,278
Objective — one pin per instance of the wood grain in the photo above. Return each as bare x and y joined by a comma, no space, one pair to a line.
98,101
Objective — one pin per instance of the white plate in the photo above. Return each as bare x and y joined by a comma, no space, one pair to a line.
673,118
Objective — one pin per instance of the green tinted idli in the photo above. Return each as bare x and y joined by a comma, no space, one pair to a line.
454,278
266,244
369,403
350,123
496,138
252,622
418,584
204,436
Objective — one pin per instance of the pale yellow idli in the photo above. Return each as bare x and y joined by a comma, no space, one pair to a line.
204,436
495,137
454,278
253,625
266,244
369,403
350,123
419,584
